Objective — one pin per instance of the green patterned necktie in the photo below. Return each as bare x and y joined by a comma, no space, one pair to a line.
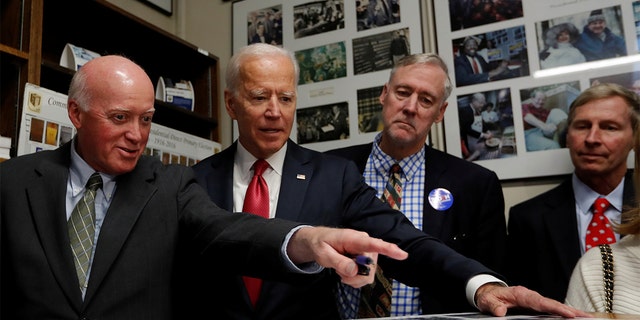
81,228
375,299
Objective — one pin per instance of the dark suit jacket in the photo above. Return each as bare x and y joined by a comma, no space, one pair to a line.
464,71
327,190
153,208
473,226
543,241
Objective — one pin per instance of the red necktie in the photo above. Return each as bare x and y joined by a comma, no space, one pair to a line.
476,69
599,230
256,201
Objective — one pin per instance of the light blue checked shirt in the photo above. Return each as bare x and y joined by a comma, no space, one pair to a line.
405,299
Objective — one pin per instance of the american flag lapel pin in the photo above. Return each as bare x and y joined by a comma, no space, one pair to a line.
300,176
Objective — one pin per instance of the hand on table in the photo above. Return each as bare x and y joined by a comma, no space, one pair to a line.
496,300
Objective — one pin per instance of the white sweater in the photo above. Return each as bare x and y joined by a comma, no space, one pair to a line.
586,287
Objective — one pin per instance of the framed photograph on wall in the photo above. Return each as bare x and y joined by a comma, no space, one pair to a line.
511,59
345,50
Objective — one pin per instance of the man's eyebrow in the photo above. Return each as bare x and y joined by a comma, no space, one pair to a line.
257,92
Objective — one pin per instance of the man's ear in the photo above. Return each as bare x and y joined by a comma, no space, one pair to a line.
229,104
443,108
74,113
384,93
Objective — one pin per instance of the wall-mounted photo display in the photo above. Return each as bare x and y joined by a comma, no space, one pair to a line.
541,54
345,50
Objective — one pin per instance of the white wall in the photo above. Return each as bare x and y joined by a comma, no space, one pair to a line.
208,25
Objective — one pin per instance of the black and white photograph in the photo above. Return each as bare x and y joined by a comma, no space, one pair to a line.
323,123
377,13
380,51
318,17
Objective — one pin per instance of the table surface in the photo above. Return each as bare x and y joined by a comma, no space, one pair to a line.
477,315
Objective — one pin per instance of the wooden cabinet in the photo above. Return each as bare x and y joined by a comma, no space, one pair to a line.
33,34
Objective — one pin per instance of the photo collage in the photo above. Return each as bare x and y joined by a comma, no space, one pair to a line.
517,66
345,50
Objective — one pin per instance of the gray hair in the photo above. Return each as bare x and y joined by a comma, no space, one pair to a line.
426,59
256,50
79,91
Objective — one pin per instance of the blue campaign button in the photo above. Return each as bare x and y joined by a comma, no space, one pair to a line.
440,199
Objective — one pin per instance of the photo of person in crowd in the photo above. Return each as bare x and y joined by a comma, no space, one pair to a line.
376,13
323,123
380,51
322,63
465,14
265,26
486,125
318,17
508,59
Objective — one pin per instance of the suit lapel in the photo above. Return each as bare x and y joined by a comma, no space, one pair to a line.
50,219
219,180
296,176
132,194
559,216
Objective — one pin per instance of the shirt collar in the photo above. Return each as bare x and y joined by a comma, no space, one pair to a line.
244,159
80,172
585,196
382,162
